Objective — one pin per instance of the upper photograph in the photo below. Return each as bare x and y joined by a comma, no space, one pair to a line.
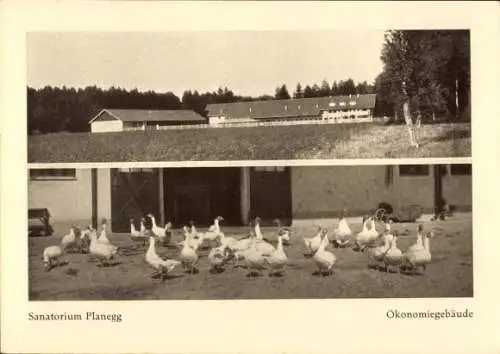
252,95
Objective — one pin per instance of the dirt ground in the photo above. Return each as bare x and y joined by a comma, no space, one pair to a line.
449,275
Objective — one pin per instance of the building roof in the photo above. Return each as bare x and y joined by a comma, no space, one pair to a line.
297,107
144,115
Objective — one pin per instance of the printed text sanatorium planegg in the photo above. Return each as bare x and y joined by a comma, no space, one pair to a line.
85,316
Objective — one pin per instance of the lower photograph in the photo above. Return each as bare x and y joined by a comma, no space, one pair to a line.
265,232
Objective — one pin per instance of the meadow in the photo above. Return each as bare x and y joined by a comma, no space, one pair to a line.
327,141
449,275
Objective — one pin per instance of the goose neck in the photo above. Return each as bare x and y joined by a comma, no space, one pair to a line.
427,244
151,244
419,239
280,243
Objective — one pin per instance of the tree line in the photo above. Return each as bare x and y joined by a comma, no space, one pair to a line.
54,109
434,64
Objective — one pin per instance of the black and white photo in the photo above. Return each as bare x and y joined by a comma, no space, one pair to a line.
118,229
253,95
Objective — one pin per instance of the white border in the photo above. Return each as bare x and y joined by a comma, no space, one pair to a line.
252,163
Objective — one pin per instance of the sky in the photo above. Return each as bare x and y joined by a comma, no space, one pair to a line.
249,63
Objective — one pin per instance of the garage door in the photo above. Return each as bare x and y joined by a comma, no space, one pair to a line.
134,193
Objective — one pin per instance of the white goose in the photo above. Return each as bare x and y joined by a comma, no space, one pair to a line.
50,256
192,229
283,232
193,242
85,239
217,257
313,243
254,259
103,252
168,234
265,248
420,258
377,253
136,235
343,232
324,259
393,256
214,232
103,238
215,227
419,245
227,241
368,235
69,240
158,231
387,234
277,260
188,256
285,236
239,248
258,231
162,266
133,231
143,226
243,243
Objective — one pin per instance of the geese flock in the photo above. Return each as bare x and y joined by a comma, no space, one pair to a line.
253,251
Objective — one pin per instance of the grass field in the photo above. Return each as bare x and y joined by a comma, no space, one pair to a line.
449,275
329,141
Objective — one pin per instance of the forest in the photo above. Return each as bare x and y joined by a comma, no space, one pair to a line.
434,64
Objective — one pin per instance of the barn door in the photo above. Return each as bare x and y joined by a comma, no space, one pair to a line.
191,202
134,193
270,194
201,194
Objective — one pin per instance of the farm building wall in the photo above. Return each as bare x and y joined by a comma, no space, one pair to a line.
324,191
68,201
414,189
457,190
106,126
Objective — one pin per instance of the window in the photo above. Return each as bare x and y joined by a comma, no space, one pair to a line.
352,103
269,168
461,170
53,174
414,170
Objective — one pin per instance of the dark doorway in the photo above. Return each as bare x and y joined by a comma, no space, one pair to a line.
271,195
201,194
134,193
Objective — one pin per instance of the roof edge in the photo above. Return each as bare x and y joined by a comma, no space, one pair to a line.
291,99
101,112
